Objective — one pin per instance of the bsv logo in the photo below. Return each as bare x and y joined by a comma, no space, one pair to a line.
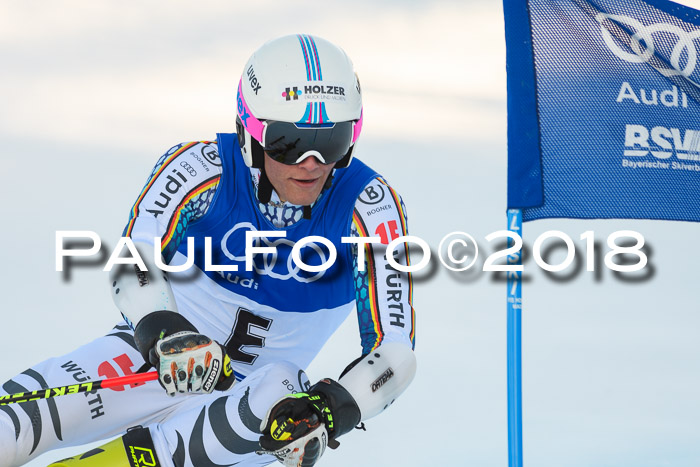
680,44
662,142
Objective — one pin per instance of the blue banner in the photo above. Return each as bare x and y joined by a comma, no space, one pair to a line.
603,109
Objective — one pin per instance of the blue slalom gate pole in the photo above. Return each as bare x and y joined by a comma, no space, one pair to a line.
515,409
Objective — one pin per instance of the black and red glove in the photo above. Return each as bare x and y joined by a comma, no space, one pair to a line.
298,427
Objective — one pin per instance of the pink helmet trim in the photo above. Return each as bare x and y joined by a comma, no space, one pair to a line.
253,125
357,128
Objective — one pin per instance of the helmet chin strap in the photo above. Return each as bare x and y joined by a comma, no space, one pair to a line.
264,187
258,158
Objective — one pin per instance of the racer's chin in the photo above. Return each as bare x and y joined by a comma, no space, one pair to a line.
303,191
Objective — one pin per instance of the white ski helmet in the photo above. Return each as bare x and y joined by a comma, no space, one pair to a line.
298,97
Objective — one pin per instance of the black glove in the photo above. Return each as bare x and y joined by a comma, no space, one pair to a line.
298,427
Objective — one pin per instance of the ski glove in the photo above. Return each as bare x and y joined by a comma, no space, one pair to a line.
298,427
186,361
191,362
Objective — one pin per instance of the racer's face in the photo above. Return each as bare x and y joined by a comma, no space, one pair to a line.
300,183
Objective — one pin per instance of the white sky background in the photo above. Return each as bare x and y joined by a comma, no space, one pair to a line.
94,92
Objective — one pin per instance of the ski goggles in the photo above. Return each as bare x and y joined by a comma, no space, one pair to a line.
291,143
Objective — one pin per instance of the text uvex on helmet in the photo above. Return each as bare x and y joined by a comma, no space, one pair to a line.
298,97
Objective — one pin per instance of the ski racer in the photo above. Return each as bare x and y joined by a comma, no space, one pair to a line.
231,331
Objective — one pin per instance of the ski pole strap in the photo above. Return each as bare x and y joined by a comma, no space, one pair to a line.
87,386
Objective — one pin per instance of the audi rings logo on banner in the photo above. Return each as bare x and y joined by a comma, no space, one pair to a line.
644,48
267,264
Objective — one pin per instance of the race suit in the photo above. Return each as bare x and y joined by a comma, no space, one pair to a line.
273,320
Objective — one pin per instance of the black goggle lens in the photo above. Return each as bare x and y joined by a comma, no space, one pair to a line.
288,142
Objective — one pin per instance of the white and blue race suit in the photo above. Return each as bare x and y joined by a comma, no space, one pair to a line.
273,320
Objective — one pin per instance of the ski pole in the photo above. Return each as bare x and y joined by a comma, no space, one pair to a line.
87,386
